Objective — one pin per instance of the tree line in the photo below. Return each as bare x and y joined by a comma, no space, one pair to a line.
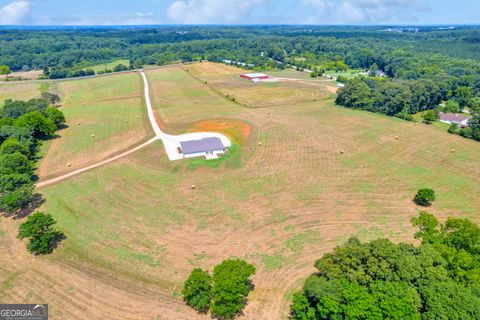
63,52
23,127
403,98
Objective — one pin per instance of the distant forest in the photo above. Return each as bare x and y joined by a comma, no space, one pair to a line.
410,70
431,50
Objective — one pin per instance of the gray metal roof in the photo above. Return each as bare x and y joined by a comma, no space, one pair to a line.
202,145
453,117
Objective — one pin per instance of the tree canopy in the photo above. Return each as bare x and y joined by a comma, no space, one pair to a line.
40,233
225,293
439,279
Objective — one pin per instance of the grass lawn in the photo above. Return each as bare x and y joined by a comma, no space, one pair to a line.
351,73
290,73
109,65
418,117
135,228
110,108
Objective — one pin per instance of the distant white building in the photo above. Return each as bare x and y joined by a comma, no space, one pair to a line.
454,118
340,85
239,63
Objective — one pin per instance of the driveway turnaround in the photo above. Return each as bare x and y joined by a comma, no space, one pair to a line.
170,142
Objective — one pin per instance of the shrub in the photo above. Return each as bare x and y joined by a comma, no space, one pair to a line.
424,197
430,116
197,290
453,129
52,98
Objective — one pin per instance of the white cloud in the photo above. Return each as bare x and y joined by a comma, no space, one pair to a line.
14,13
363,11
212,11
124,18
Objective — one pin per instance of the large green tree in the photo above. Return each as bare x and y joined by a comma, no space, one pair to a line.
38,229
40,125
225,294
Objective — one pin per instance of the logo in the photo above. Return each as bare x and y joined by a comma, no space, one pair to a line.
23,311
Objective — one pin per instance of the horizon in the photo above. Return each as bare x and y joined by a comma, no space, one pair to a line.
133,26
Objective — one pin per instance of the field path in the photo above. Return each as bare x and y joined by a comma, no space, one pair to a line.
170,142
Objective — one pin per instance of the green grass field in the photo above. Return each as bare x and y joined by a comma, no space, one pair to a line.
351,73
109,65
136,228
290,73
180,99
110,108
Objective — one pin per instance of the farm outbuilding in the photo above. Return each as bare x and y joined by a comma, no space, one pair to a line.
454,118
254,76
207,147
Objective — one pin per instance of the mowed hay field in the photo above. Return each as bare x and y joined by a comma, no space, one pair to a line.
110,108
179,100
19,90
260,94
136,229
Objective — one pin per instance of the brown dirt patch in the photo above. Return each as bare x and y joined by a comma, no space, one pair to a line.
207,68
234,129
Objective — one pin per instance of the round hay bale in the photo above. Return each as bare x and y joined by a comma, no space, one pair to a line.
78,123
193,187
453,150
259,144
138,117
397,137
69,164
93,136
126,121
341,151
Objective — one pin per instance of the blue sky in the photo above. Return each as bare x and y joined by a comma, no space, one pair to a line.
131,12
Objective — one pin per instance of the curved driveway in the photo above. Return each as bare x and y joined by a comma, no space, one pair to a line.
170,142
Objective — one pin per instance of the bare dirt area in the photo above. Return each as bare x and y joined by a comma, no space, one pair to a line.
136,228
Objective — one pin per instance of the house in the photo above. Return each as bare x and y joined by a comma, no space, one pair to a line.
454,118
209,148
254,76
340,85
